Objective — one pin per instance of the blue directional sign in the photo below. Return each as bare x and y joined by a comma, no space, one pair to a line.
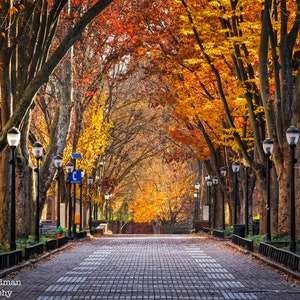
76,156
76,177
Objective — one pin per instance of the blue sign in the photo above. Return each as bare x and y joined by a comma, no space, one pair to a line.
75,177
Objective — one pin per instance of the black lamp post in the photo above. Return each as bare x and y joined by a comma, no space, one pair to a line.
292,136
13,139
209,184
75,156
215,182
268,146
90,181
37,150
80,203
196,198
106,197
207,177
223,174
110,208
69,169
246,198
235,169
58,164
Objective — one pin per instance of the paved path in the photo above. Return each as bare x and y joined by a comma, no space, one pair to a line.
152,268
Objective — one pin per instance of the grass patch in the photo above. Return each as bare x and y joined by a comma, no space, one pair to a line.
257,239
22,243
228,231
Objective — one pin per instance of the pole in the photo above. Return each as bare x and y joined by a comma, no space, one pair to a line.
37,205
13,202
74,202
58,198
209,208
70,208
293,245
215,206
268,200
91,206
246,204
235,197
195,212
80,208
223,211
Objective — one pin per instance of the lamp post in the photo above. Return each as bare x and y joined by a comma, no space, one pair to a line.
209,184
196,198
13,139
235,169
90,181
74,156
106,197
58,164
215,182
246,198
37,150
292,136
223,174
268,146
69,169
110,208
80,203
207,177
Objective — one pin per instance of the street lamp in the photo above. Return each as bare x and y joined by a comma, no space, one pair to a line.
37,150
196,198
292,136
58,164
209,184
268,146
69,169
215,183
223,174
235,169
106,197
90,181
75,156
13,139
246,165
80,202
110,207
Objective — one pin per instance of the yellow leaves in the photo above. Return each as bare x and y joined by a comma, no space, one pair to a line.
259,110
192,61
161,194
94,136
12,10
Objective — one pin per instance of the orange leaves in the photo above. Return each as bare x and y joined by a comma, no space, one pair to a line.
163,194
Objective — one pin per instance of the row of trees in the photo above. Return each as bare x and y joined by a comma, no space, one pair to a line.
234,83
125,82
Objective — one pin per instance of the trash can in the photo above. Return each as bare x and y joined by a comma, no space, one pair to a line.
239,229
255,227
59,232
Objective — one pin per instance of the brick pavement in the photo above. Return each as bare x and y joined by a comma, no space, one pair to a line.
152,268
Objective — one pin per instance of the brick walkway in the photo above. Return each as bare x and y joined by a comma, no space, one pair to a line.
161,267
